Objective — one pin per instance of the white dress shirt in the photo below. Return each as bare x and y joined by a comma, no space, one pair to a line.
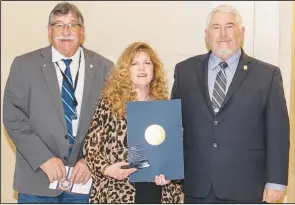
74,66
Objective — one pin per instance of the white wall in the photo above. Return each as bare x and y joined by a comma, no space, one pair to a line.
272,43
174,29
272,37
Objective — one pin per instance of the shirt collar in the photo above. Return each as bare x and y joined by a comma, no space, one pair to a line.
57,56
232,62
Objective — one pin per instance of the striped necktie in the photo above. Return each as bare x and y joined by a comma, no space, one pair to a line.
219,90
67,96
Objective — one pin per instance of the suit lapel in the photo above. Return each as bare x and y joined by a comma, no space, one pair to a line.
88,79
49,73
242,71
203,79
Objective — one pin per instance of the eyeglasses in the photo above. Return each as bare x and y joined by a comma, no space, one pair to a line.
71,26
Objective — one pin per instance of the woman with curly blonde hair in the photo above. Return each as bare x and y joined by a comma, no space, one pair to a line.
138,76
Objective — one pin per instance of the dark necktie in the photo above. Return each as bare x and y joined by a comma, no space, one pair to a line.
219,90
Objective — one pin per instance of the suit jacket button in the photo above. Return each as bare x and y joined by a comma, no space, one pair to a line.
66,137
216,122
66,158
214,144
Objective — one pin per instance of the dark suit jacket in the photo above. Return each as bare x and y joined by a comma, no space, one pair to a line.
34,118
244,145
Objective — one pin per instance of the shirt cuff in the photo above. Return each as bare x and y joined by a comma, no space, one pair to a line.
278,187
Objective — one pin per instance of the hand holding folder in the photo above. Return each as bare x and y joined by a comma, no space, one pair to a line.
155,142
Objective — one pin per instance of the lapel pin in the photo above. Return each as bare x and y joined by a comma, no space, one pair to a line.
245,67
91,66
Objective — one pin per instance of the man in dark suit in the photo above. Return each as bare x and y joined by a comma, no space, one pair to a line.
235,120
49,101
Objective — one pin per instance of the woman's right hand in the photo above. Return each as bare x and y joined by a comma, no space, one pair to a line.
116,172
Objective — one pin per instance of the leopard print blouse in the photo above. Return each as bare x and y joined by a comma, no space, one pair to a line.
104,145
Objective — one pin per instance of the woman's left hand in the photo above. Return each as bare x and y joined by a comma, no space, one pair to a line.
161,181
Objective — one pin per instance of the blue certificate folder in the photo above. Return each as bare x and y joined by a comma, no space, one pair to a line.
165,158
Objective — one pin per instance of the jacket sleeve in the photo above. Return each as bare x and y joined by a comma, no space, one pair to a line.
96,142
277,132
17,120
175,87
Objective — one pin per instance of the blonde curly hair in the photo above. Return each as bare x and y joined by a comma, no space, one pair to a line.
118,88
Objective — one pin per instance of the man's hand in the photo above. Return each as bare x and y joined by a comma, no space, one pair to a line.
80,172
272,195
54,169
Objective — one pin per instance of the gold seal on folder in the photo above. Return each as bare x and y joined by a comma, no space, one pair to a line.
155,135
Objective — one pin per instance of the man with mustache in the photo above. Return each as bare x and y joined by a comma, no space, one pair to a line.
235,120
49,101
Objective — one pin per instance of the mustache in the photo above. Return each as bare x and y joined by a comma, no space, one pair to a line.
224,38
64,38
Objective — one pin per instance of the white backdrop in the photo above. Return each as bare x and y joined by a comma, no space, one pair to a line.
174,29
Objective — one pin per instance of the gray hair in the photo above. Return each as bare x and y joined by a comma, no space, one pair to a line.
65,8
223,9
